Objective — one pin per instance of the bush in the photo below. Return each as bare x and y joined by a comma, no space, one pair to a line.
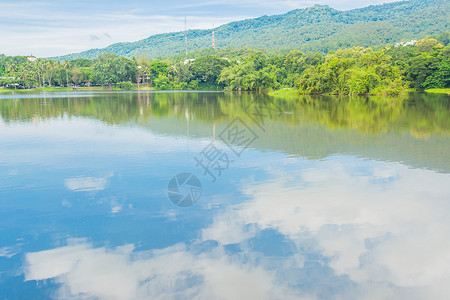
126,85
193,85
161,83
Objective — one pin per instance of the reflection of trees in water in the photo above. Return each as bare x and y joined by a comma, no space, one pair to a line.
369,115
421,114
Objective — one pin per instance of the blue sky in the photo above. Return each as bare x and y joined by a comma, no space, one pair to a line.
50,27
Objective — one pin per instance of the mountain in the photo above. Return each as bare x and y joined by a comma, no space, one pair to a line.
319,29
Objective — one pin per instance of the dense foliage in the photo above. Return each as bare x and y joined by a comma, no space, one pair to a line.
426,65
109,68
315,29
355,71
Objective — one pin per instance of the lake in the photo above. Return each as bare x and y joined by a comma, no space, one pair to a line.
210,195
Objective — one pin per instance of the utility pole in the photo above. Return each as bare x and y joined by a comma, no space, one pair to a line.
213,40
185,35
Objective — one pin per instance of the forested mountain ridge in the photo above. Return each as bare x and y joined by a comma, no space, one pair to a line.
318,28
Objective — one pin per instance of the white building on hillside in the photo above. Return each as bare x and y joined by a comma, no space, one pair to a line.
31,58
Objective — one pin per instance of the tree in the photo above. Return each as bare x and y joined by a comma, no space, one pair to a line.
353,71
158,68
207,69
139,72
258,60
66,66
161,82
28,73
444,38
429,70
40,67
109,68
49,66
142,64
243,77
427,44
77,76
81,63
10,67
183,72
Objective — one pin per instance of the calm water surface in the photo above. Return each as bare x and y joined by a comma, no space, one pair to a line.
308,198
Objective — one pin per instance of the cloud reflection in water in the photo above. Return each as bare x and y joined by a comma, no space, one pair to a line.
332,231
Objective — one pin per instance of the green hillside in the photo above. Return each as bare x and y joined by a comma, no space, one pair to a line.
318,29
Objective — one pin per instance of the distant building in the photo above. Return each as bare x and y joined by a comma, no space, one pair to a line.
191,60
404,44
31,58
187,61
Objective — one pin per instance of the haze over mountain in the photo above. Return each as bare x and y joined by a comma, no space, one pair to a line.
319,28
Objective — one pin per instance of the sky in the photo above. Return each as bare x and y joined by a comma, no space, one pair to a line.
48,28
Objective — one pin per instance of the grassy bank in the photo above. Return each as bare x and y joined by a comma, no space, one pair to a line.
64,89
285,93
439,91
46,89
100,88
291,93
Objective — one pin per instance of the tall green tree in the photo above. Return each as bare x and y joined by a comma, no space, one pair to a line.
158,69
109,69
207,69
353,71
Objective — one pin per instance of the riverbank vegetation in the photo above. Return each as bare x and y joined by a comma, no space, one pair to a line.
353,71
439,91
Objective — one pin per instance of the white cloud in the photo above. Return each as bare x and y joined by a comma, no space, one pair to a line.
95,135
385,228
161,274
116,209
7,252
73,33
388,227
87,184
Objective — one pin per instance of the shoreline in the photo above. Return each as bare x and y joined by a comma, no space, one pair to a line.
276,93
438,91
93,89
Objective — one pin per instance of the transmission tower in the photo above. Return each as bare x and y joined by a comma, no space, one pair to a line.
185,35
213,39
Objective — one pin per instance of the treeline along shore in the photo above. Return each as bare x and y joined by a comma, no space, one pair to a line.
419,65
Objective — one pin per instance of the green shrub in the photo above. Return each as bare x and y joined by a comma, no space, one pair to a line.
126,85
